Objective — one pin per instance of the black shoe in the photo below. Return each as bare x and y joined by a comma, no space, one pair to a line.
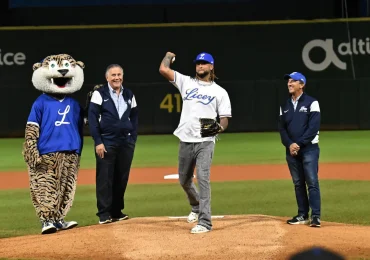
315,222
298,220
120,217
105,220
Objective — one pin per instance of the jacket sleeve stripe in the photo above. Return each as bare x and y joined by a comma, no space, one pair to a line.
96,98
315,107
133,102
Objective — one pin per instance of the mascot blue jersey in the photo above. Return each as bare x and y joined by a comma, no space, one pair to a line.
58,120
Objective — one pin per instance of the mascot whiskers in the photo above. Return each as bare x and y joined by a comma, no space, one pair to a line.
54,140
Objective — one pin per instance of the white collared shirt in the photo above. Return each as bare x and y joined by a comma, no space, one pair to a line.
118,100
296,101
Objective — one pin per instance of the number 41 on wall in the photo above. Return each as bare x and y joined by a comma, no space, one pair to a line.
167,102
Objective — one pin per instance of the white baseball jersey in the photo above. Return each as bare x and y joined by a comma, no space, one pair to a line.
200,100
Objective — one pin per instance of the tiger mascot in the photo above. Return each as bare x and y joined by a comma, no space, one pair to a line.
54,140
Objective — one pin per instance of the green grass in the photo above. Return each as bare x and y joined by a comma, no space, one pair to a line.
235,148
342,201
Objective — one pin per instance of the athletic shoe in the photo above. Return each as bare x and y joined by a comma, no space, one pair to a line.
48,228
63,225
315,222
121,217
199,229
105,220
298,220
193,217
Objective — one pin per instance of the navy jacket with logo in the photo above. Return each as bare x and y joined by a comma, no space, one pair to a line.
302,125
104,122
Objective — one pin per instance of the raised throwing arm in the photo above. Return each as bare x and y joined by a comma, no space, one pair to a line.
165,69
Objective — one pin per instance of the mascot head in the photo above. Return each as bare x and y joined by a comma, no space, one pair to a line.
58,74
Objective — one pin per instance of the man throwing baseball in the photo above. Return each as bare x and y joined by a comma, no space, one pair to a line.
203,100
299,130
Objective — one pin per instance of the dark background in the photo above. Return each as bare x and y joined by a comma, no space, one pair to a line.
250,58
74,12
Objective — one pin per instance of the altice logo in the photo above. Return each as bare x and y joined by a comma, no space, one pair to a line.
9,58
354,47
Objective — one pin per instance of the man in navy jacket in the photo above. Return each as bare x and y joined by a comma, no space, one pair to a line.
299,126
113,122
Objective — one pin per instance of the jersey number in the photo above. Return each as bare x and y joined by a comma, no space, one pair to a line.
167,103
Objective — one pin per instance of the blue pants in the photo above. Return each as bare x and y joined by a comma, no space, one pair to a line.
304,171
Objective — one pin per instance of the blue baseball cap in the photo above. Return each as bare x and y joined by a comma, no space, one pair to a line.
204,57
296,76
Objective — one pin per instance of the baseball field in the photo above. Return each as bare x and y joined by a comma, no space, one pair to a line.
252,197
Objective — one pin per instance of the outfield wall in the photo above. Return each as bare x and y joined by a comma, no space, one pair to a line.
250,61
26,12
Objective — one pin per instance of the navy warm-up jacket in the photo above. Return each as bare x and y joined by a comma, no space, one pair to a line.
104,122
302,125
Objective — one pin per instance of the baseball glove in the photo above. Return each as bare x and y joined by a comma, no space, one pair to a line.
209,127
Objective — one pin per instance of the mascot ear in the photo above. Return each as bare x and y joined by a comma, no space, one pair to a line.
81,64
37,65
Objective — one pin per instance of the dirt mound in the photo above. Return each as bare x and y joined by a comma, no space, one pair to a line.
233,237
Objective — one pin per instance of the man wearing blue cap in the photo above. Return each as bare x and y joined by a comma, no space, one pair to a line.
299,126
202,98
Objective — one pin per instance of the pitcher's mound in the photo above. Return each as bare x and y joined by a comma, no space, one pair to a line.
232,237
